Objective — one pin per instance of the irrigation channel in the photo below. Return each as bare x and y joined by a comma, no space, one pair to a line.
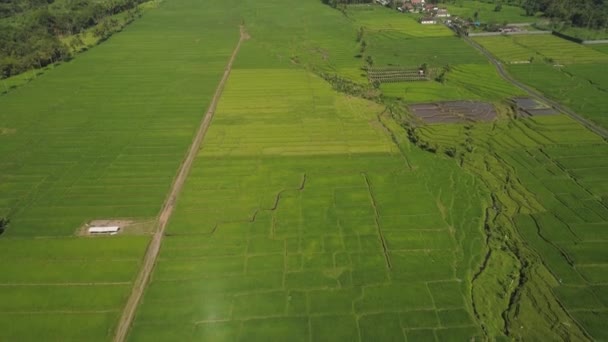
536,94
163,218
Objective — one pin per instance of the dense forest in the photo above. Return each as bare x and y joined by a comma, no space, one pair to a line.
32,31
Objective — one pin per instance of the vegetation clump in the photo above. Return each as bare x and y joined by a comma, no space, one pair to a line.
3,224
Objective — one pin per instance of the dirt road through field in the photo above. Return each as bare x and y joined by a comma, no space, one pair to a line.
153,249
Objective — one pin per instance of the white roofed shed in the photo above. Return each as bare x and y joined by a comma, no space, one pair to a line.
111,230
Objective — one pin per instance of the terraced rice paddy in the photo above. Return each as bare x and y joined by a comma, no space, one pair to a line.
562,217
453,112
461,83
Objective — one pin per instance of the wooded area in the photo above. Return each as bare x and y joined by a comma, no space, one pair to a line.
31,30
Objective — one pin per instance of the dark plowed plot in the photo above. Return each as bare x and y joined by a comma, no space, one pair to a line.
454,111
531,107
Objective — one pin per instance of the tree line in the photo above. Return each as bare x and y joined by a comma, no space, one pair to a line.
31,30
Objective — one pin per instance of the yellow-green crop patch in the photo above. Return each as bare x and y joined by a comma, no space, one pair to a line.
295,210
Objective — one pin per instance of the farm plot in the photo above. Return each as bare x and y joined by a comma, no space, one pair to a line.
93,139
559,215
532,107
462,82
394,48
577,93
587,164
292,225
288,38
560,50
454,111
601,48
392,75
507,50
594,73
98,138
380,18
66,288
524,48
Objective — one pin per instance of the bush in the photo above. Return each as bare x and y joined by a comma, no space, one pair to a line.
3,224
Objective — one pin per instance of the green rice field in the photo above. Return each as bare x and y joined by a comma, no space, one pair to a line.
558,204
573,90
100,137
519,48
314,210
293,223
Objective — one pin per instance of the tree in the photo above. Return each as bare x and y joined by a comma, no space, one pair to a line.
369,60
498,7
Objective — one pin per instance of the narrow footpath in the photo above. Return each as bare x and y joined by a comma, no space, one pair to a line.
149,261
536,94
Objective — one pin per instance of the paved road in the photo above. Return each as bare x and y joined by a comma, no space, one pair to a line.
536,94
153,249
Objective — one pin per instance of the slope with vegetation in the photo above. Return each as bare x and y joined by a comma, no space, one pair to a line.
36,33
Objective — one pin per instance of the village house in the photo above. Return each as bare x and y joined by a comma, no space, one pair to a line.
442,13
428,21
406,7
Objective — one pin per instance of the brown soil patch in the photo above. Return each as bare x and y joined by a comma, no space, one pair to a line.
530,107
454,111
